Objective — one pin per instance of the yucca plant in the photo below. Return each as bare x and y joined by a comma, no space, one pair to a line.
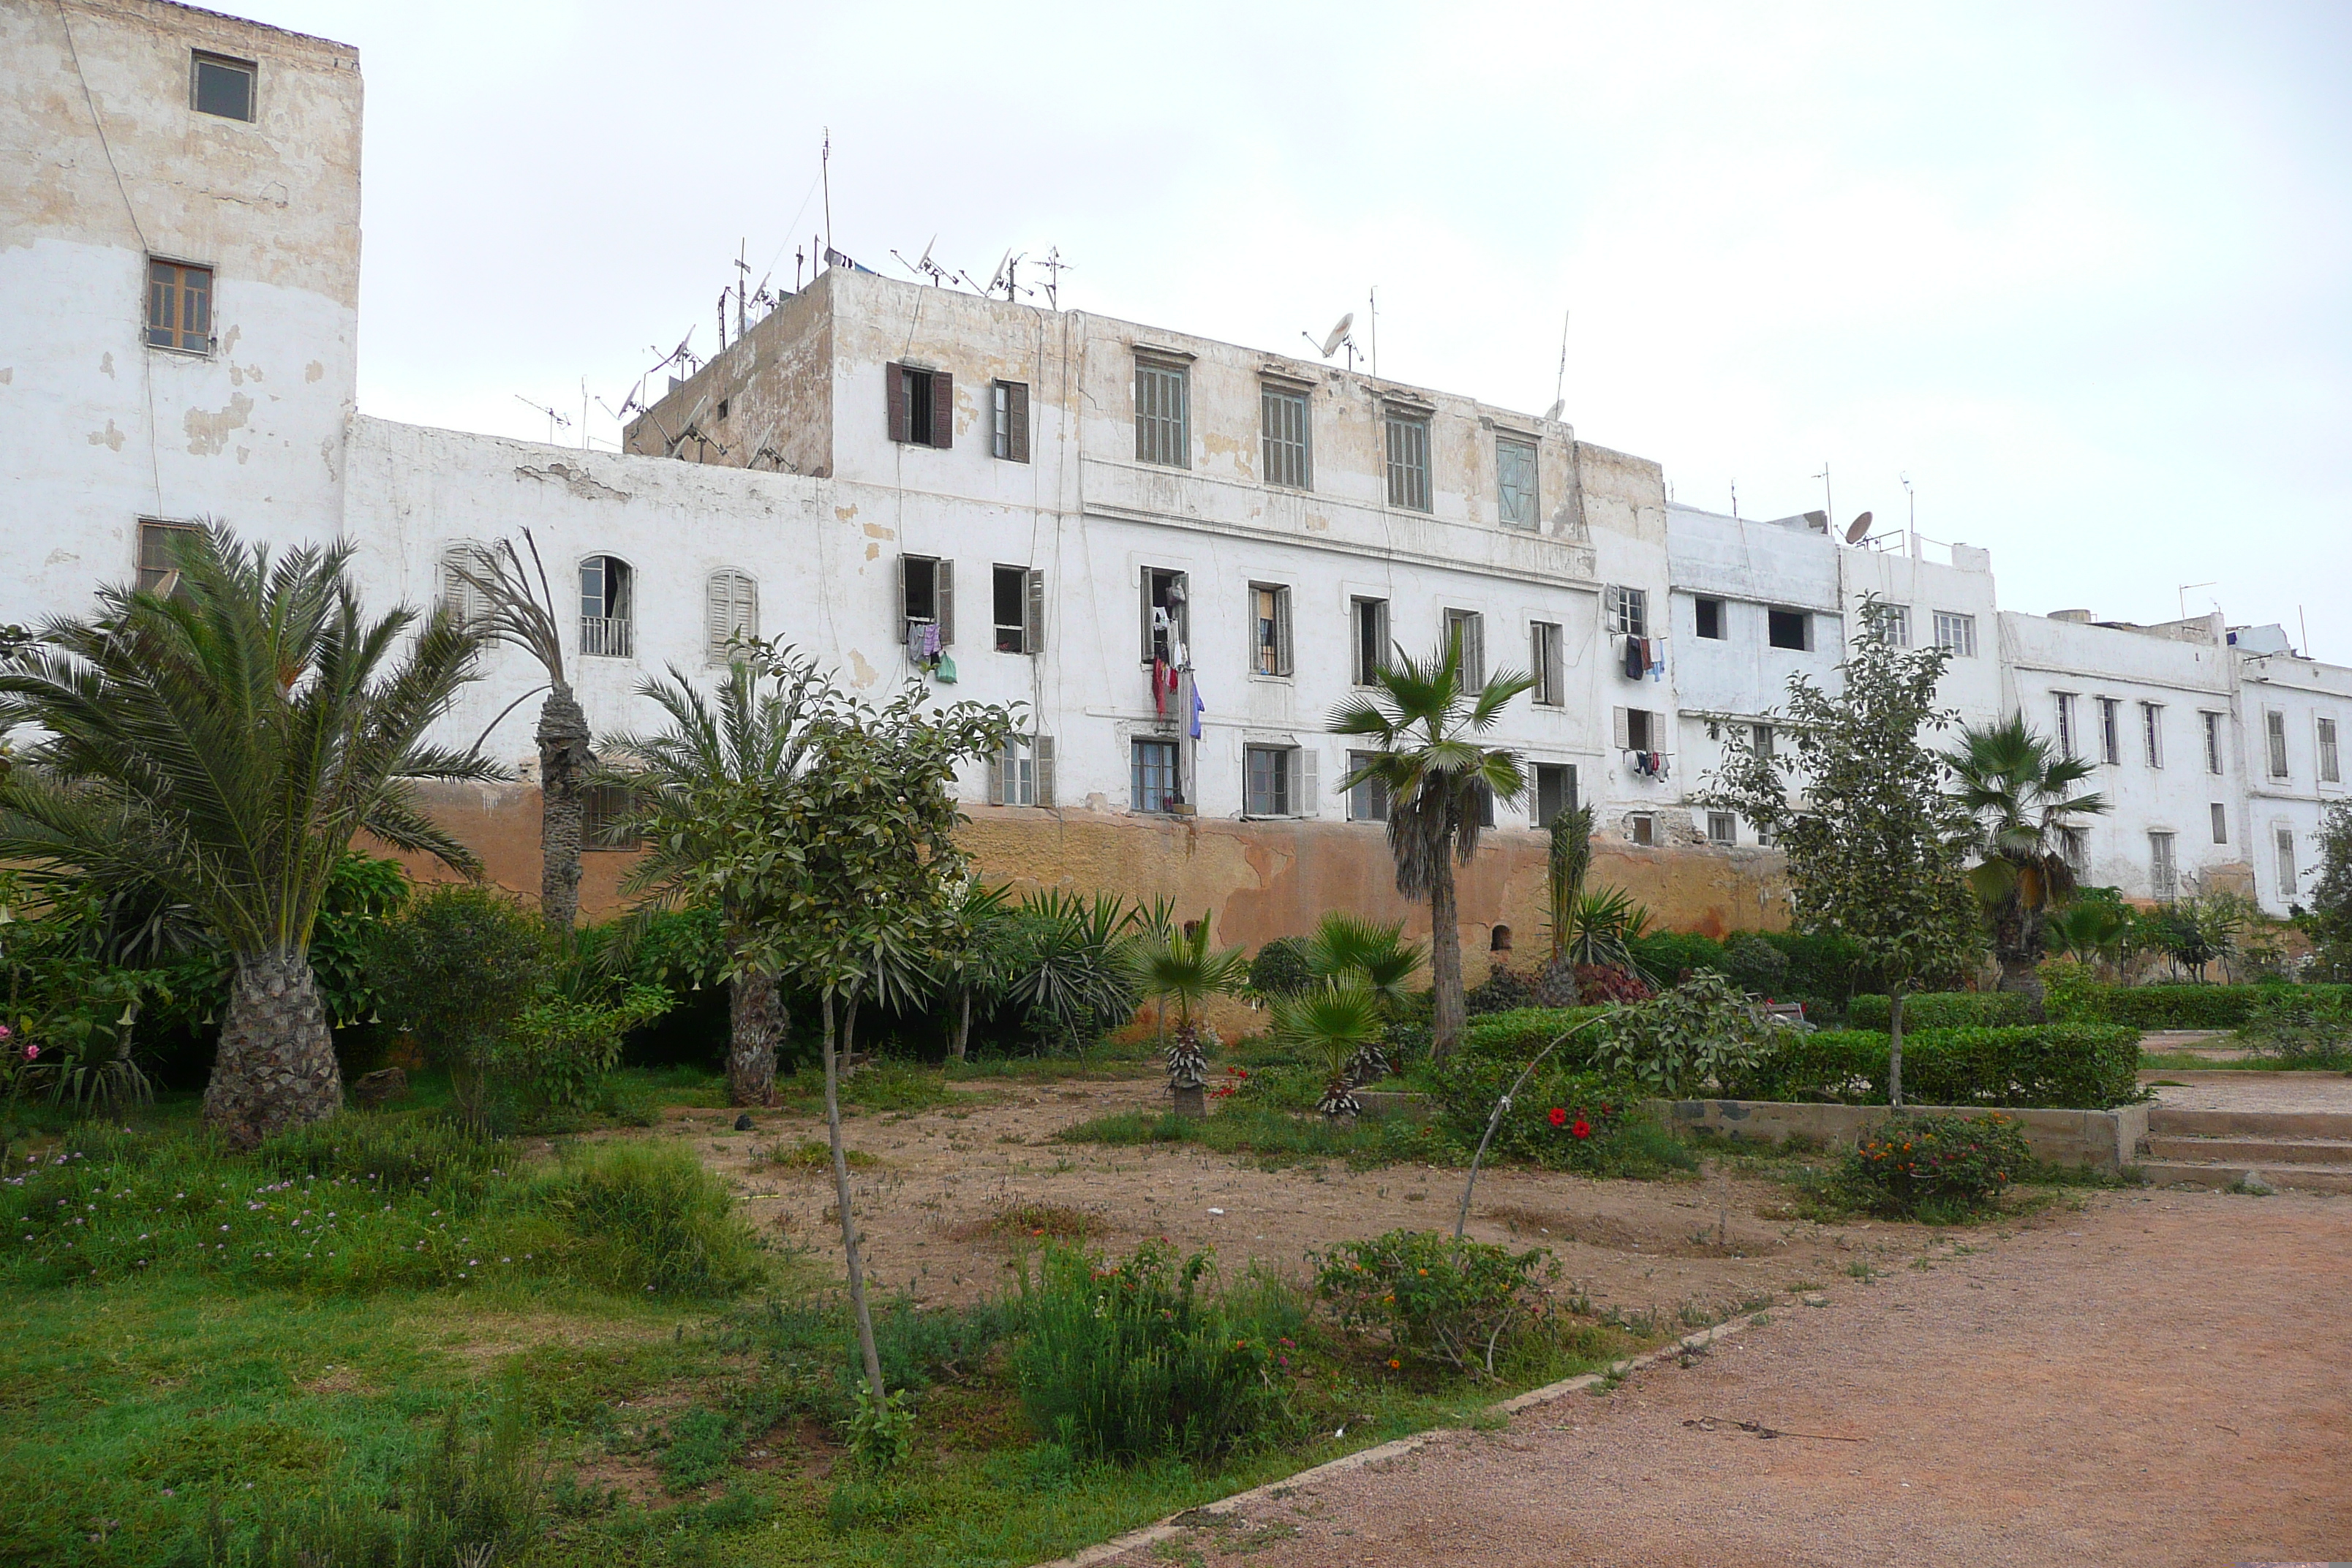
1070,970
1602,925
225,742
1186,968
1337,1023
1346,945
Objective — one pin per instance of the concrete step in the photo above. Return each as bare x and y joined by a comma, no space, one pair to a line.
2172,1121
2252,1151
2197,1174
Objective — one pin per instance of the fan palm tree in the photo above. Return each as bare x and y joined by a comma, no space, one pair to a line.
521,614
2090,930
1185,968
1337,1021
225,742
1426,718
2022,794
690,787
1348,946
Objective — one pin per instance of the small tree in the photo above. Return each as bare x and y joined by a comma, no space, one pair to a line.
1566,865
1337,1021
1185,968
2022,795
454,971
1877,851
2329,917
1348,948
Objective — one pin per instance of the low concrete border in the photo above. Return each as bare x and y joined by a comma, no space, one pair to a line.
2105,1141
1396,1449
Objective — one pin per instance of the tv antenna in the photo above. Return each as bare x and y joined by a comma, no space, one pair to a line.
1858,530
1829,502
1911,498
2184,594
553,418
1338,337
926,267
1734,500
1559,380
1055,267
1372,297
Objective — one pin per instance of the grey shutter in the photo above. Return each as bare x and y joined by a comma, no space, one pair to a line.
942,409
943,599
1622,728
1016,416
894,378
997,778
715,600
1043,753
1307,792
1033,628
1147,615
1282,631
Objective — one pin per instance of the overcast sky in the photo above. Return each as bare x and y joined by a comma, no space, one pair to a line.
2083,272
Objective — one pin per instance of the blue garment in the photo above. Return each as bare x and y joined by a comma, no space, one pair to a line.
1198,706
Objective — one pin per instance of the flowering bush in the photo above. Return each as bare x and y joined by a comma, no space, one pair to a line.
1541,1125
1427,1296
1936,1162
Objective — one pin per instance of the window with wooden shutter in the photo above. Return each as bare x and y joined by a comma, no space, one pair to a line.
922,406
893,381
731,612
927,593
1470,627
1009,431
1408,461
1033,630
1009,592
458,596
1307,793
1547,668
1044,747
1515,482
1371,650
1269,630
1283,418
942,409
1163,431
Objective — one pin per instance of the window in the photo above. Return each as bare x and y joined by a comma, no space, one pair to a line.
2331,767
2111,740
1008,428
2221,823
1408,447
604,812
1156,785
1019,593
607,608
2274,735
723,409
2212,742
2066,740
2163,876
2285,838
2151,733
1554,792
1023,773
1547,664
1163,414
179,306
1288,461
1514,481
1165,621
1637,730
1710,618
1269,630
1643,828
927,598
158,543
1759,739
1722,828
1957,633
1279,780
1469,628
1894,624
1368,800
922,406
1788,628
1499,940
2074,844
730,614
219,85
458,596
1629,611
1371,618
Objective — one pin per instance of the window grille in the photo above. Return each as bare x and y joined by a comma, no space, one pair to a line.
157,546
1269,650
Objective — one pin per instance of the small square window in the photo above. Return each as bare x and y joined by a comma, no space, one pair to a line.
1629,611
157,543
1268,783
1722,828
221,86
1645,829
1788,628
179,306
1710,618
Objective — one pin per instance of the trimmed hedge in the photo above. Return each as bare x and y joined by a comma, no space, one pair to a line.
1518,1035
2082,1067
2166,1006
1943,1010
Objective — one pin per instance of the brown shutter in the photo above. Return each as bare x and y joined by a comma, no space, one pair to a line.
942,409
943,599
894,377
1033,634
1017,414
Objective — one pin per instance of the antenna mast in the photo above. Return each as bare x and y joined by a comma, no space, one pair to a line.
1559,381
824,172
1827,500
1374,297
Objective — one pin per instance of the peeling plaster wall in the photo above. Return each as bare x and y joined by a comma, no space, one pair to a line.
98,430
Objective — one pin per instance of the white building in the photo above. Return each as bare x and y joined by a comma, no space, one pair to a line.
2293,713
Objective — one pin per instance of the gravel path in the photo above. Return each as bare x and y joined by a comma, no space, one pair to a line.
2160,1378
2256,1090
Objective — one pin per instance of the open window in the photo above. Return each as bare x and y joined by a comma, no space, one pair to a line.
1009,421
1468,628
1023,773
1547,664
1710,618
607,608
922,406
1554,792
1269,650
1278,781
1790,629
927,595
1370,618
1167,620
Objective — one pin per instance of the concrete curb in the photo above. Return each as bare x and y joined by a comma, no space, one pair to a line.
1396,1449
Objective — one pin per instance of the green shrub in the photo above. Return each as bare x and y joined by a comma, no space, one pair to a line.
644,1217
1932,1165
1664,955
455,972
1519,1035
558,1050
1560,1119
1754,965
1280,968
395,1152
2085,1067
1701,1032
1502,990
1428,1297
1942,1010
1142,1359
2303,1025
2077,999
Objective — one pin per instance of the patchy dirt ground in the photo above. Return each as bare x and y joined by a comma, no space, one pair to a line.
943,1175
2160,1378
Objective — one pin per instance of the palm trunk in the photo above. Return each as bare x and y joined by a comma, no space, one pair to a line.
564,758
1894,1049
962,1039
841,1191
276,1067
1445,962
756,1021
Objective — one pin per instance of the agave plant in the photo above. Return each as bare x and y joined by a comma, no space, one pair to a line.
1602,925
1346,945
1337,1022
1184,967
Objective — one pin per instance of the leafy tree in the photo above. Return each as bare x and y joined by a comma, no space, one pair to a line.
455,972
226,742
1877,851
2329,917
2022,793
977,960
1426,717
1185,968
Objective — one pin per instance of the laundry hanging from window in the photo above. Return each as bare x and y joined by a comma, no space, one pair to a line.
1645,656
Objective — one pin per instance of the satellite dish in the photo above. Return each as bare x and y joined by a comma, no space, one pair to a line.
1856,529
1551,415
1338,335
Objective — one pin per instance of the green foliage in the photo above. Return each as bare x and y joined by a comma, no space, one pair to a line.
1567,859
1520,1035
2076,998
1756,966
559,1050
2195,931
1602,925
455,971
1943,1010
1068,965
1932,1166
881,1431
364,893
1501,992
1184,966
1429,1298
1560,1119
650,1218
2302,1026
1701,1032
1272,1137
1280,968
2085,1067
2020,792
1143,1358
2328,920
397,1154
1334,1024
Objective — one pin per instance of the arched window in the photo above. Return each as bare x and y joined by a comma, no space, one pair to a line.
730,609
607,607
1500,940
458,596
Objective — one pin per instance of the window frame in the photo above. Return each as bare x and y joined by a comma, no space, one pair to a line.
198,59
1008,432
1562,781
935,406
176,336
1548,664
160,530
2275,744
1286,463
2212,740
2163,865
942,595
1641,830
2282,851
1627,609
1722,830
2327,740
1174,761
1473,623
2220,813
1368,616
1408,459
1532,492
612,634
1701,605
1957,630
2151,734
1021,772
1281,766
1368,799
1894,623
601,805
1269,631
2111,731
1775,620
2063,702
1028,629
1163,436
1179,604
719,624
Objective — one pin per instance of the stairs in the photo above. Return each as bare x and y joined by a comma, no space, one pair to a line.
2308,1150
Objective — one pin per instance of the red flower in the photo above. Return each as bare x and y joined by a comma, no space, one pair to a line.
1582,1129
1559,1117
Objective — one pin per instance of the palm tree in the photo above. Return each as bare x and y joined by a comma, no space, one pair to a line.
1182,967
1347,947
2090,930
690,788
522,616
1339,1020
225,742
1441,781
975,961
1568,862
2021,791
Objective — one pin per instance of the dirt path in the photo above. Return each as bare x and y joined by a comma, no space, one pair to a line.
2163,1378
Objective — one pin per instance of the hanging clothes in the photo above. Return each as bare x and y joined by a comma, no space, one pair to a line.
1159,675
1637,658
1657,658
1198,707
